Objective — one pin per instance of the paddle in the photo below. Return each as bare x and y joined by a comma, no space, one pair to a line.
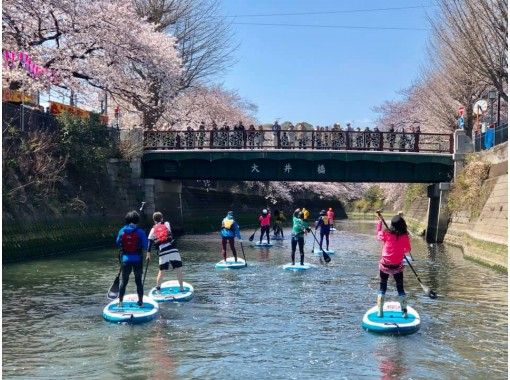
253,235
145,273
425,288
113,292
242,249
313,246
324,254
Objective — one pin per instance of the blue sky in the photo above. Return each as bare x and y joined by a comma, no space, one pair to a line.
325,75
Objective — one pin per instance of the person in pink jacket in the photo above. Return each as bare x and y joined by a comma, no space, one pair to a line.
265,223
395,245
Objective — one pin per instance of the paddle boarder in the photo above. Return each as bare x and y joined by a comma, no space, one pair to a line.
229,231
299,228
325,226
161,236
395,245
279,218
331,216
265,223
133,241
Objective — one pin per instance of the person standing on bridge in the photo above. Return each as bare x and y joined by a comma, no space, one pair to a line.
229,231
299,228
265,225
276,134
395,245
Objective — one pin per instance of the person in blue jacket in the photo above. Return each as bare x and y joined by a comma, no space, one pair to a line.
324,223
229,231
132,241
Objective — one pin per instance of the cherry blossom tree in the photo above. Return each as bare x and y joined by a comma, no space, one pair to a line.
209,104
93,44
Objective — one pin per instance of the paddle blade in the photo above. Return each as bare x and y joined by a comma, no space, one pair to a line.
428,291
251,237
326,257
113,293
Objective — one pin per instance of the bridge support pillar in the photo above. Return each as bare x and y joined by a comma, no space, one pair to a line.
462,146
438,215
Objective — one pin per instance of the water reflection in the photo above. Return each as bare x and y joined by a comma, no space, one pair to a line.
390,359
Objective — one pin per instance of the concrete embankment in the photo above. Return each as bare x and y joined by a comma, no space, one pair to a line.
483,239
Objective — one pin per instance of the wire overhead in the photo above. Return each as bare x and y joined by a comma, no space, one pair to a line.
331,26
333,12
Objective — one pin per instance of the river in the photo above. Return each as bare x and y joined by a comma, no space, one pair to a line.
259,322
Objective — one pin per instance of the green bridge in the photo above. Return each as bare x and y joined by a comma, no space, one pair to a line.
298,165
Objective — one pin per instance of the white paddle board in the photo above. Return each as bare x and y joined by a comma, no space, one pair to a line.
170,292
298,266
231,264
392,321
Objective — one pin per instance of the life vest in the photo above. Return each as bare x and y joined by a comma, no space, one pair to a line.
325,220
265,220
161,233
130,242
306,213
228,223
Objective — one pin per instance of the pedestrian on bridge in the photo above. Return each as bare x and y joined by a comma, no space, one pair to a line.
276,134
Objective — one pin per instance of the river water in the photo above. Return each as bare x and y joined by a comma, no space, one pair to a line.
259,322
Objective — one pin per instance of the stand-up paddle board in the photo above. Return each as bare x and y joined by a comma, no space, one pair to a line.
170,292
298,266
392,321
318,252
231,264
263,244
131,312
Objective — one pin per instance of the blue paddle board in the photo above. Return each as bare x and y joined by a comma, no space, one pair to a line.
131,312
170,292
231,264
298,266
263,244
318,252
392,321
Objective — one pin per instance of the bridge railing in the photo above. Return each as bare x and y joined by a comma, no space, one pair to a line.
286,139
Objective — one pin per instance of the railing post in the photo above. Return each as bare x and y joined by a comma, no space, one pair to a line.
313,139
451,143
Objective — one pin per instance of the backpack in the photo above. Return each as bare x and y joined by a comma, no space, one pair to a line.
161,233
228,223
130,241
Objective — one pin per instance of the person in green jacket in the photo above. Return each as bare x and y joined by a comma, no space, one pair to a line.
299,228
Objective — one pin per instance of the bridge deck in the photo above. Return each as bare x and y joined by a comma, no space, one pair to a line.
298,165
